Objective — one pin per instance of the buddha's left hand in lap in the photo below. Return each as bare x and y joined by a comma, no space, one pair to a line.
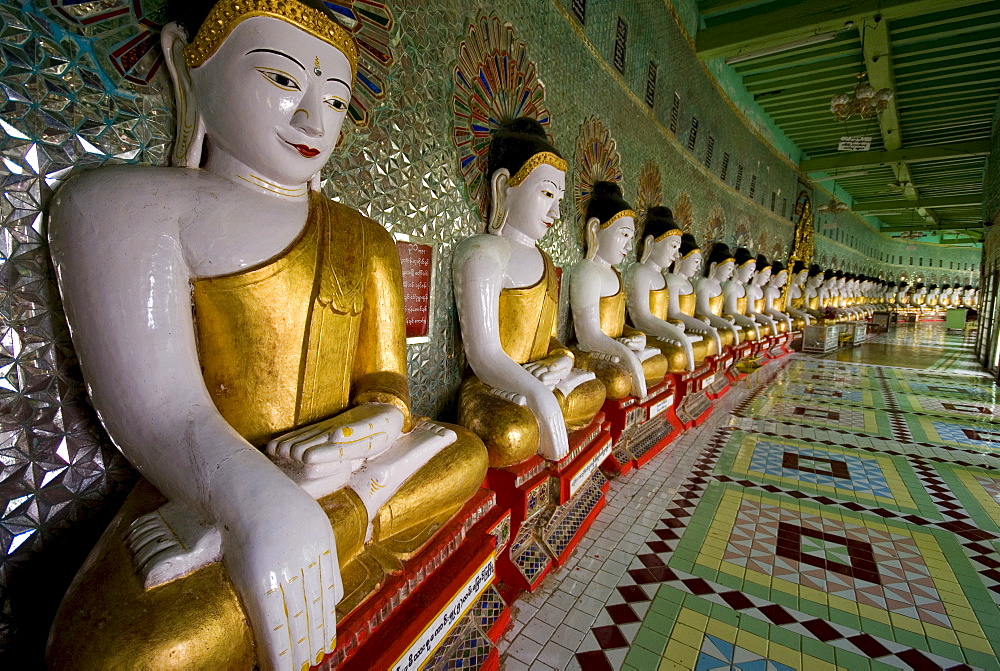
551,370
363,432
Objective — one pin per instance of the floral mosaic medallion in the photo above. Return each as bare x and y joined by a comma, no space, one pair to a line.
649,188
715,227
597,160
495,81
743,235
684,212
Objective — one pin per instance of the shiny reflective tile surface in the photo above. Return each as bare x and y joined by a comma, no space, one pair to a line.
830,514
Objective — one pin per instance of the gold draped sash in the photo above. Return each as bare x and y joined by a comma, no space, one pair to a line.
523,337
308,333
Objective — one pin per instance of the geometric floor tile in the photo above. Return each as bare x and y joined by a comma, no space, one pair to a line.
839,564
829,514
871,478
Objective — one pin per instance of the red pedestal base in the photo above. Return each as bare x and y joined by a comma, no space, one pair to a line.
641,428
430,597
551,505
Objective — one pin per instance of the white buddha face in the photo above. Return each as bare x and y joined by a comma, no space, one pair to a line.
615,241
763,276
274,99
801,276
814,281
533,205
780,279
723,271
666,251
689,266
744,272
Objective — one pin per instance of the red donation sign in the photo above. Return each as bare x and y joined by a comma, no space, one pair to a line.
416,262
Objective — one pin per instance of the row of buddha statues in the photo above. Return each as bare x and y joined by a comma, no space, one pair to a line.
833,295
243,342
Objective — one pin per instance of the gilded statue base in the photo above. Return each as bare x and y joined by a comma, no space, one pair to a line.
551,505
389,623
641,428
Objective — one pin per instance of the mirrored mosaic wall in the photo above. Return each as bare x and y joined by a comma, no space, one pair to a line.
82,85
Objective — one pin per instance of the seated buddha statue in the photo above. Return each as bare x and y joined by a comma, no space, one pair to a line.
524,392
946,291
889,298
796,295
827,291
774,300
755,297
736,297
616,353
968,296
648,297
919,299
933,296
903,294
682,299
719,267
243,341
810,293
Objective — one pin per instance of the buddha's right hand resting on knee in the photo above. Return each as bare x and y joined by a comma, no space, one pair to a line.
279,551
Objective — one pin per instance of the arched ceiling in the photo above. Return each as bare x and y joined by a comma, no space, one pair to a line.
924,171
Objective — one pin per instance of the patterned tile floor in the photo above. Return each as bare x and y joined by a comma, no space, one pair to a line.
833,512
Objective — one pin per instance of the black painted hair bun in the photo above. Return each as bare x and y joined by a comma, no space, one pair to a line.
514,142
606,200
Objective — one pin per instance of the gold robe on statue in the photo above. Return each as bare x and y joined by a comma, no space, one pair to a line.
298,339
616,376
528,320
659,305
715,307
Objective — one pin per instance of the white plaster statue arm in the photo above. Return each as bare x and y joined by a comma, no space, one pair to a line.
478,278
130,310
585,301
703,309
692,324
770,310
644,320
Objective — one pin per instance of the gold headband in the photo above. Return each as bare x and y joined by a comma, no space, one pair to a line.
745,262
725,261
623,213
696,250
227,14
672,231
543,157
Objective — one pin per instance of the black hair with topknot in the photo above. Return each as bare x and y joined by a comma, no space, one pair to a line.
718,254
742,255
762,263
514,142
606,200
776,268
658,220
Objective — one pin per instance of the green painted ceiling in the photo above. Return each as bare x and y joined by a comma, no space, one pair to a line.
942,59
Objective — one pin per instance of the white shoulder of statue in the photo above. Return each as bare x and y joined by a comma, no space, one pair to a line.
493,247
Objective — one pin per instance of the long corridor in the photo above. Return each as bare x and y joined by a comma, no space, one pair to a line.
837,512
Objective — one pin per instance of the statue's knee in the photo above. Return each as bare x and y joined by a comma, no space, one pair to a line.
509,431
583,404
616,380
654,368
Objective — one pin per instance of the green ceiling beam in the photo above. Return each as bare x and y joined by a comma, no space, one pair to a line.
943,226
898,205
865,159
803,19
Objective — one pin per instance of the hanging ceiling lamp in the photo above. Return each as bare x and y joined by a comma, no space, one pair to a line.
864,102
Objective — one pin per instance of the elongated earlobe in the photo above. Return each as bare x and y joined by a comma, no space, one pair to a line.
499,185
190,140
591,228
